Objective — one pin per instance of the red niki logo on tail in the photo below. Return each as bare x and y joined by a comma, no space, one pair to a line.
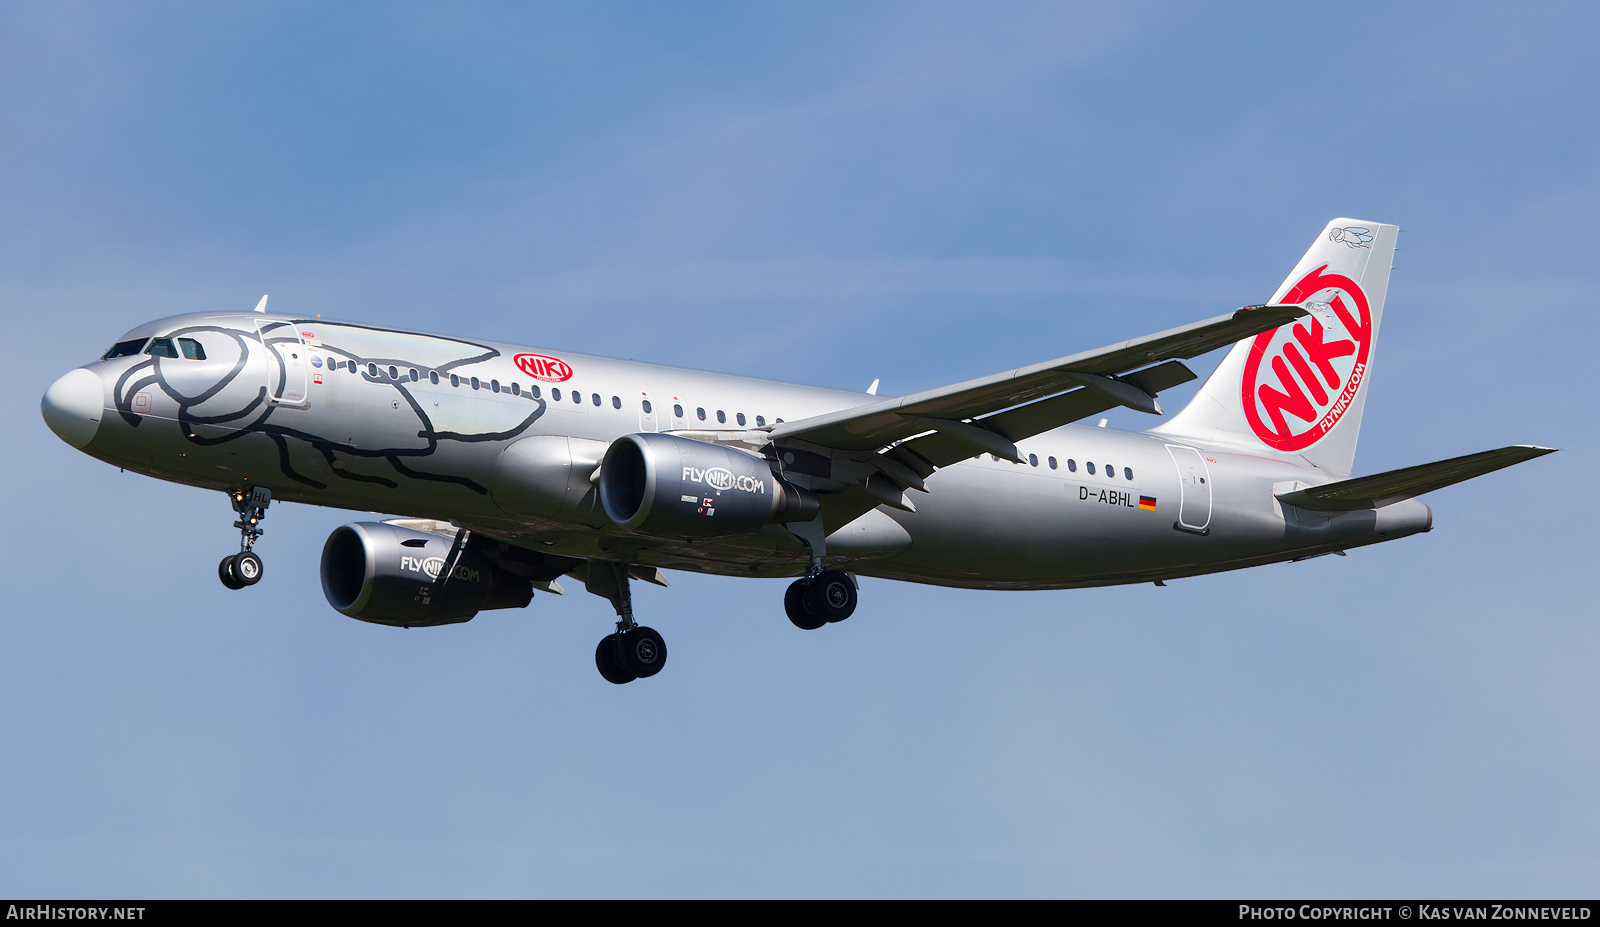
1299,379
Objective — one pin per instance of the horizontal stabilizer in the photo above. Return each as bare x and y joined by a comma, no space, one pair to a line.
1380,489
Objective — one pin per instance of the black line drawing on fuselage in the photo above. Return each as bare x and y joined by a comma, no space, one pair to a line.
130,384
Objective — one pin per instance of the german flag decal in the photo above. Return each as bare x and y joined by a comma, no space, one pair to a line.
1148,503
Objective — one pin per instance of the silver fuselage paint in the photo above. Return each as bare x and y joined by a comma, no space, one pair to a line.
367,435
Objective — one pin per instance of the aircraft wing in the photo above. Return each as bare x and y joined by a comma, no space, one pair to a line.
940,449
1099,379
1380,489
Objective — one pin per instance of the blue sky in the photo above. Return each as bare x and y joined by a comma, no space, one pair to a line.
826,194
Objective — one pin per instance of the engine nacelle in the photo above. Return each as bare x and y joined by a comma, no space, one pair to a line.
674,487
391,575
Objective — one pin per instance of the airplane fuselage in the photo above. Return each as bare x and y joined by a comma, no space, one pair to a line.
419,425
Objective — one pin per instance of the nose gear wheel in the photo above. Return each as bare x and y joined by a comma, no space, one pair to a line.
244,568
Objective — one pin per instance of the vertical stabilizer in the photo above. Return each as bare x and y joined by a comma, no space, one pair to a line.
1300,389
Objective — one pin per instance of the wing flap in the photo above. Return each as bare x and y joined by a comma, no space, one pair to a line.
1380,489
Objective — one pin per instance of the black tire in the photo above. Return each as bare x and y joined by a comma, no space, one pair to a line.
643,652
605,660
225,573
831,596
247,568
794,605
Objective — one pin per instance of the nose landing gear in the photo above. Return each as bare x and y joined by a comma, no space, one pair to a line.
244,568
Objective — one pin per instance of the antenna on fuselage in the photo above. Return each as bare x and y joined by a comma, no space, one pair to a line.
262,306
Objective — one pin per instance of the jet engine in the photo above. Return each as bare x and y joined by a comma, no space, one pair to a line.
675,487
388,574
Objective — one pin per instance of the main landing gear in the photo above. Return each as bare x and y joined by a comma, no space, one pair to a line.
634,651
814,601
821,596
244,568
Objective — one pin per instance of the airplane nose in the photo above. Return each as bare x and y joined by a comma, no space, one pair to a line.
72,407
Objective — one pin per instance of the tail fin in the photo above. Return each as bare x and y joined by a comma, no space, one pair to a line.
1300,389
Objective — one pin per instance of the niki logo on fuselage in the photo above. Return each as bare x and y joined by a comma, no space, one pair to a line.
544,367
1299,379
722,479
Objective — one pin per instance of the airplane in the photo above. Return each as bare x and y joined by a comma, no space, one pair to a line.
509,467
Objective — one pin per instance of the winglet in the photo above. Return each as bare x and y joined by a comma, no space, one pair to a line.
262,306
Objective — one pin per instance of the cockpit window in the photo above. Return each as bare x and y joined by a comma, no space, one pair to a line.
162,347
192,349
124,349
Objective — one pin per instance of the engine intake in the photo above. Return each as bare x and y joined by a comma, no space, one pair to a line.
675,487
391,575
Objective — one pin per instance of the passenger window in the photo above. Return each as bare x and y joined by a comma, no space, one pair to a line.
192,349
677,410
372,371
494,385
700,414
1090,466
740,418
761,422
1052,463
350,366
413,374
162,347
555,393
536,391
1127,472
722,416
596,399
433,377
646,405
1033,460
394,374
1111,471
474,382
455,380
123,349
616,402
577,397
516,389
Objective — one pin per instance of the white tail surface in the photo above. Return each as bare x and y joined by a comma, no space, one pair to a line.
1300,389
